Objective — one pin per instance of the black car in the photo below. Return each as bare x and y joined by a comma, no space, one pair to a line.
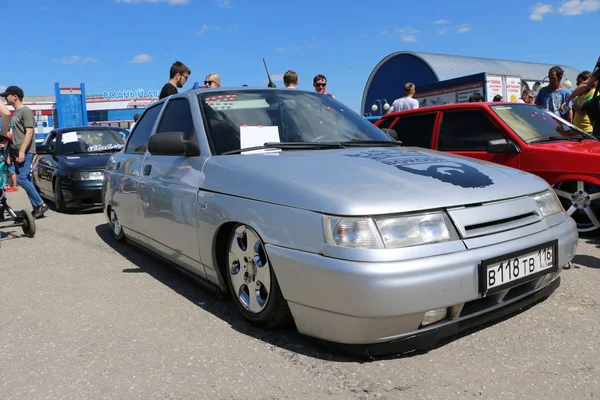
69,166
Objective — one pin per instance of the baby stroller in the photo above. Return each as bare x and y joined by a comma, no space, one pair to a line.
22,218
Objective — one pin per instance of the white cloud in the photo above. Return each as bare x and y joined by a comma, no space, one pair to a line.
274,78
441,21
408,38
224,3
205,28
408,31
141,58
443,31
171,2
294,48
464,28
578,7
538,11
202,30
75,60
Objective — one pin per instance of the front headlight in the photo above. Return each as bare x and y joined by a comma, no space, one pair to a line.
389,233
86,175
548,203
412,230
352,232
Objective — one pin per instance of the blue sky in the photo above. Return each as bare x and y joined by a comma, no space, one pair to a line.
130,44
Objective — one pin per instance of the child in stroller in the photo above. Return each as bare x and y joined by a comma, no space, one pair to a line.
22,218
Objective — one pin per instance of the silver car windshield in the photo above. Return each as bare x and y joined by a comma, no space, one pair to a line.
242,119
90,141
533,124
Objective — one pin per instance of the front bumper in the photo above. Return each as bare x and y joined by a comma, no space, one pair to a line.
82,194
365,303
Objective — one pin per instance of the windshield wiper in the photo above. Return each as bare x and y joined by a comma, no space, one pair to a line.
556,138
371,143
289,146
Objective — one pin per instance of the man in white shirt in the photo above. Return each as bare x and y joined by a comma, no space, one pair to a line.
407,102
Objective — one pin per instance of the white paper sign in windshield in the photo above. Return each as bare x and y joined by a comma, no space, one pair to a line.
253,136
69,137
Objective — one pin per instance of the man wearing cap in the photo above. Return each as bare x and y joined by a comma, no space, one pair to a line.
22,130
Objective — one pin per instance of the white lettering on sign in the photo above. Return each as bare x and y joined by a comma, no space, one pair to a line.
104,147
129,94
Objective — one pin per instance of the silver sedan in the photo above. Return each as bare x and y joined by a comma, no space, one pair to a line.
306,213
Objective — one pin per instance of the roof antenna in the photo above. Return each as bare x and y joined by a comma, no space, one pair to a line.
271,84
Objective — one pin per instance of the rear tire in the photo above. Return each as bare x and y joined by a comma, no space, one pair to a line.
115,225
28,224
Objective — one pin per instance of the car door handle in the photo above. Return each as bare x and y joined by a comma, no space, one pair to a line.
147,169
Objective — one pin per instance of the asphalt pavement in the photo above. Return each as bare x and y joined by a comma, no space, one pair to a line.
85,317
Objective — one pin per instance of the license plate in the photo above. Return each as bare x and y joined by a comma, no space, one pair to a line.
500,273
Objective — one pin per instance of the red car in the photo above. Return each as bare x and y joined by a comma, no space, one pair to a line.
518,135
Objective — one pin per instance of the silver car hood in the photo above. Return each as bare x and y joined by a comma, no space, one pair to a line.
365,181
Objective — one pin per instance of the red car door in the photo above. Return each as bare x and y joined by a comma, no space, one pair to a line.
467,132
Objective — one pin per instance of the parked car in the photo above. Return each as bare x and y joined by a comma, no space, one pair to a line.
304,211
69,166
522,136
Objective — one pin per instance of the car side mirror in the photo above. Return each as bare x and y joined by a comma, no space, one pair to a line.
172,144
502,146
44,149
391,133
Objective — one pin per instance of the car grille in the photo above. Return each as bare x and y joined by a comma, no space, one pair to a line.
496,217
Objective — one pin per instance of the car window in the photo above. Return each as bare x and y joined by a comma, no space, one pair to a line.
50,139
177,118
466,131
532,123
88,140
385,122
415,130
138,139
248,118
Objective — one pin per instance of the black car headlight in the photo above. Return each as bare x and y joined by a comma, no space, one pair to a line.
86,175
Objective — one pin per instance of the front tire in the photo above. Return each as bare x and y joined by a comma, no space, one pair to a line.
581,200
252,281
59,199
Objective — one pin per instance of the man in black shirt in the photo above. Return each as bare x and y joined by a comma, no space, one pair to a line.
178,76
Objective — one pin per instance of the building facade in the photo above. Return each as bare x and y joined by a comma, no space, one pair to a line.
386,81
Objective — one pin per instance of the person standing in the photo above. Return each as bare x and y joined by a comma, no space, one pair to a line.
212,80
290,79
551,97
320,85
178,76
23,122
527,97
407,102
580,117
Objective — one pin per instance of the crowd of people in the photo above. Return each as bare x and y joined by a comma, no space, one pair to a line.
180,73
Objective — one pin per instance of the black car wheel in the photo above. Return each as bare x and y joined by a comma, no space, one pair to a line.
59,200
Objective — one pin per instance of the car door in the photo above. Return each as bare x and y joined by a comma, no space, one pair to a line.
468,132
44,167
168,193
415,129
123,176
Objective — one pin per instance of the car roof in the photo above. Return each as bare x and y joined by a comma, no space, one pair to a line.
87,128
457,106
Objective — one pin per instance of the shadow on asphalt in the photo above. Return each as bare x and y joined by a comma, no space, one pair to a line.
222,307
